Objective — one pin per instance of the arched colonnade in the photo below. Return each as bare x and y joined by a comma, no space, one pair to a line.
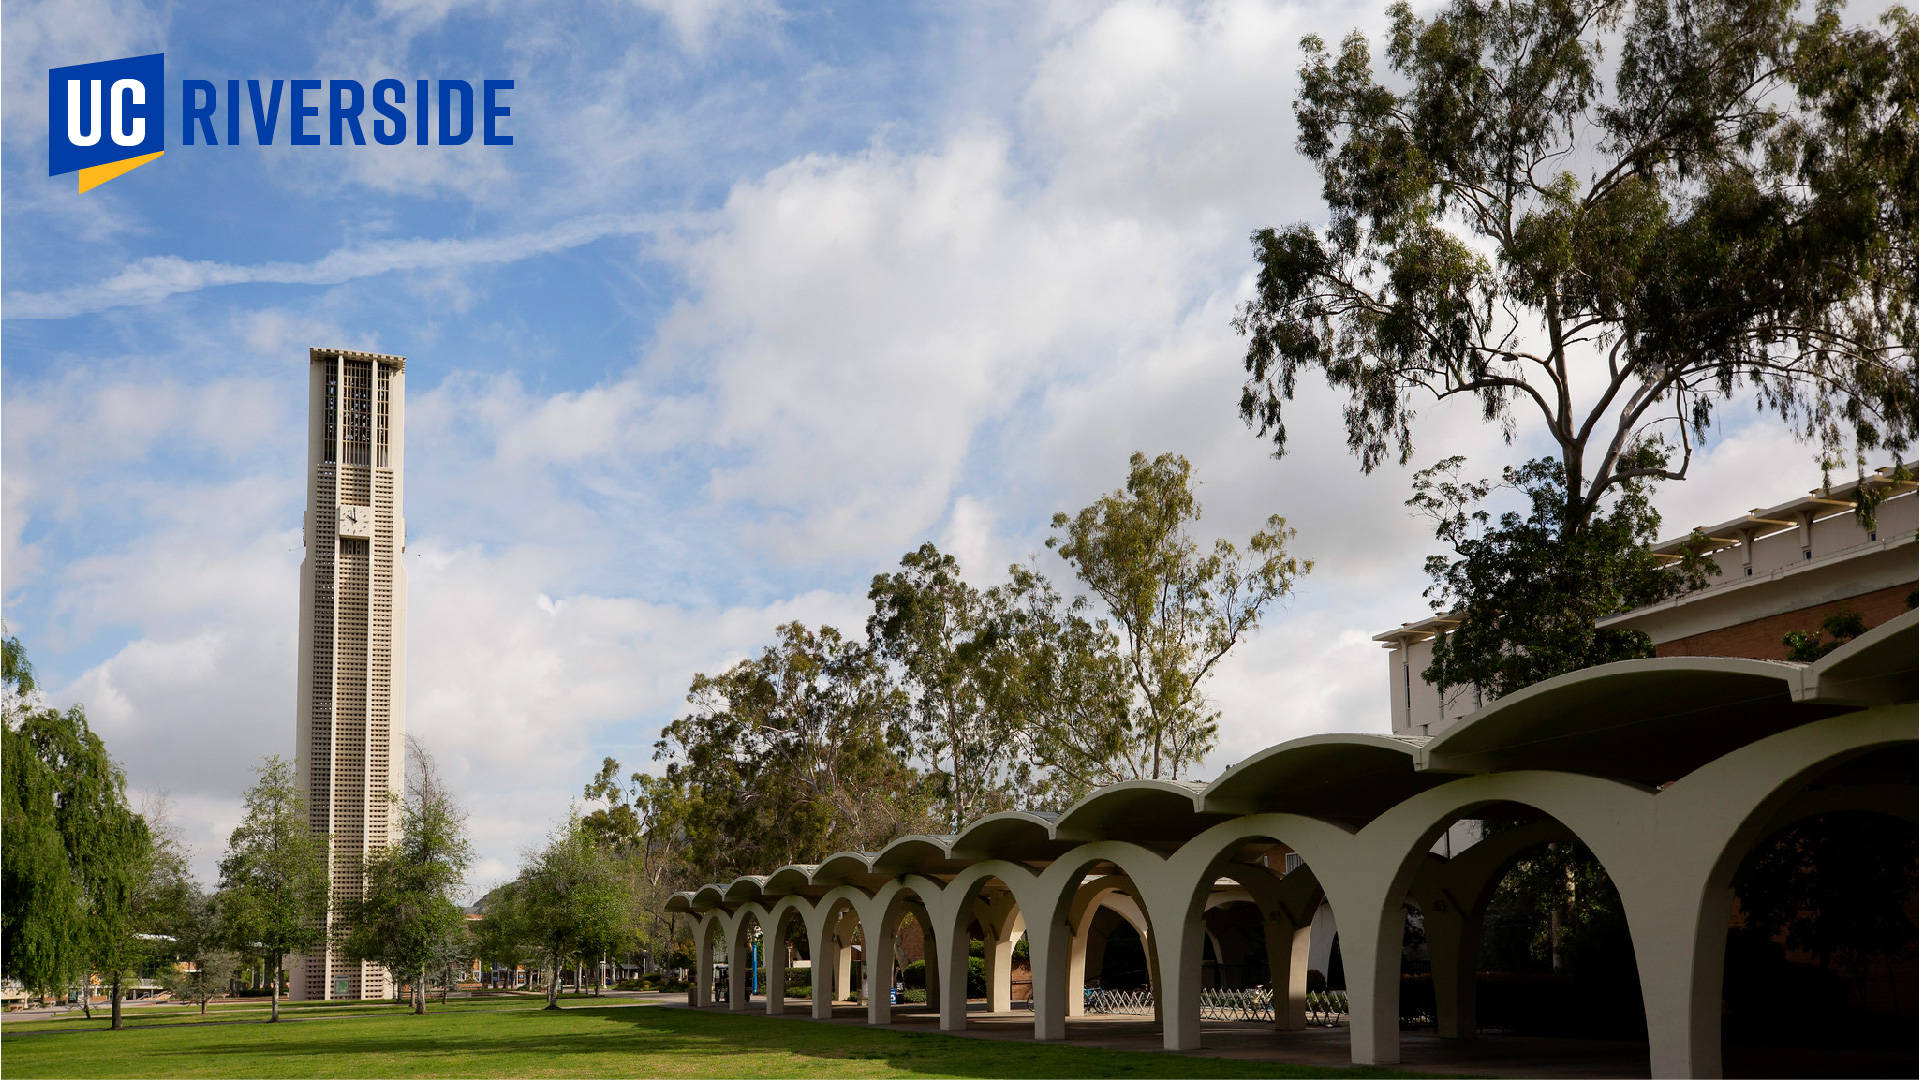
1668,770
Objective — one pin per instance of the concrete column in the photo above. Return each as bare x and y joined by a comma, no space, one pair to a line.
930,947
826,963
703,966
1048,943
773,957
1077,965
1177,994
843,971
1287,948
1453,944
1682,964
1371,955
952,947
999,959
739,990
879,977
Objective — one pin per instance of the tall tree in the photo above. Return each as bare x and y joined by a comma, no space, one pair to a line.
407,915
785,757
942,634
39,895
82,851
1178,609
570,902
1734,216
273,881
502,936
1062,687
1600,257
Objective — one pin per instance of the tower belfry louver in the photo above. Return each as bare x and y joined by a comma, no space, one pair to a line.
353,616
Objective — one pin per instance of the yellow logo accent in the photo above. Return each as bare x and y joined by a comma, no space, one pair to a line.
96,175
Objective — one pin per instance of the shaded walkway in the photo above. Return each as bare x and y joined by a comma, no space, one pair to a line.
1491,1055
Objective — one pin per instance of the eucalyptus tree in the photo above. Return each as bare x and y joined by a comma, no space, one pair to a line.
943,636
785,757
1060,684
273,880
1601,252
1177,608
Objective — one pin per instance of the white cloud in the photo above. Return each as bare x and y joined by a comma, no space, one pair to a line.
157,277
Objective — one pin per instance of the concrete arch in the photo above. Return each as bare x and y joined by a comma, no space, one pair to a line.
1716,815
1369,890
831,940
784,911
1286,911
958,906
1452,896
1110,893
700,992
888,906
1050,933
739,926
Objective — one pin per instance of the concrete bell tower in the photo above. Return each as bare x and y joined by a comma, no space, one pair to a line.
351,726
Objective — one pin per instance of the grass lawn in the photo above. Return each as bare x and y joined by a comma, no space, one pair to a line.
518,1039
254,1009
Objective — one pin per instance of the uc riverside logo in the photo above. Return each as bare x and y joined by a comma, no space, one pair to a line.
108,118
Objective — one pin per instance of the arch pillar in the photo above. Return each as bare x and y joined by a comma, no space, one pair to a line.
823,952
952,975
878,974
700,993
1047,946
776,946
739,958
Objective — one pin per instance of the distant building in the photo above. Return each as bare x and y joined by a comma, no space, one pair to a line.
351,724
1782,568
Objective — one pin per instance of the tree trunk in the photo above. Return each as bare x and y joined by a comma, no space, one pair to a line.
274,960
86,1000
553,987
115,1025
420,993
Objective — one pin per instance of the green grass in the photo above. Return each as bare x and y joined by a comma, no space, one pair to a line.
252,1009
624,1040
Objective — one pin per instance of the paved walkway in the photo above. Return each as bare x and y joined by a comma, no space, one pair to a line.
1489,1055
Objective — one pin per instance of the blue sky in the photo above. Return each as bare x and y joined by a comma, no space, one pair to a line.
762,296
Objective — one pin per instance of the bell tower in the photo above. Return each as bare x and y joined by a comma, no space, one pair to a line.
351,724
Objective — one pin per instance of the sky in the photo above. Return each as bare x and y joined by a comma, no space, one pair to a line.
762,296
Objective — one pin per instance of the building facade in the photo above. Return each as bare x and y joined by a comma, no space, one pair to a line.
1780,568
351,719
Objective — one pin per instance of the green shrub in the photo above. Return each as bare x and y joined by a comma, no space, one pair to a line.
914,975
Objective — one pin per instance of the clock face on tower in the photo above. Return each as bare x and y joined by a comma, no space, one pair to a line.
355,520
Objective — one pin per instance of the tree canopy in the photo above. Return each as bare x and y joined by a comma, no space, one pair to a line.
273,880
788,754
1613,250
1178,608
407,915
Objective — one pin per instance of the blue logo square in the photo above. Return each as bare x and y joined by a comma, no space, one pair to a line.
105,112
